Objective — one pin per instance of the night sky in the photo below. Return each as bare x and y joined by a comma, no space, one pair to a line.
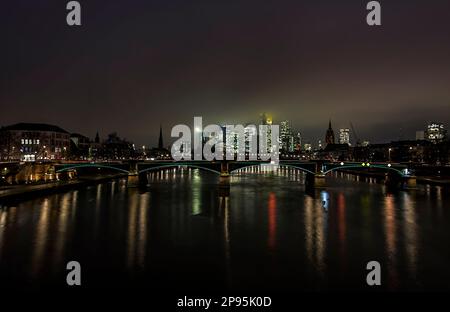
135,64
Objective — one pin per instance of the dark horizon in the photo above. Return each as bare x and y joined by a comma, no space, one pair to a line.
130,68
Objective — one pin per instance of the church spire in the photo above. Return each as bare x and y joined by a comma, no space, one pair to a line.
97,138
160,142
329,137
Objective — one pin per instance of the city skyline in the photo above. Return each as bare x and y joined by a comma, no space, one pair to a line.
352,137
130,68
287,132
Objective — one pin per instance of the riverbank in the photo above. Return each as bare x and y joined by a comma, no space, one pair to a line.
15,192
434,181
431,180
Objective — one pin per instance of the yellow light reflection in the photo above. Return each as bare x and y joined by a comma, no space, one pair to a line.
41,239
390,228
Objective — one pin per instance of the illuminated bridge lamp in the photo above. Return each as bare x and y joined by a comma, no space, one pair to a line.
389,165
342,163
363,164
368,164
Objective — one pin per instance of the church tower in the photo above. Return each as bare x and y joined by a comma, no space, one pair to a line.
160,142
329,137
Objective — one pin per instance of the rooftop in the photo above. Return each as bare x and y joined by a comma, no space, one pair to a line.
34,127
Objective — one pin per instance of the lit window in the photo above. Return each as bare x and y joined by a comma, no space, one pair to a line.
23,141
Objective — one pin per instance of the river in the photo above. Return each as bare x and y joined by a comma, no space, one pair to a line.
270,234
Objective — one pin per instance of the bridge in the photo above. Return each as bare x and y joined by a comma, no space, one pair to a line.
316,171
136,171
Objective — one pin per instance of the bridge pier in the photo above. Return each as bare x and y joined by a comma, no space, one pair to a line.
143,178
133,175
394,180
319,180
224,180
65,176
133,180
224,186
315,180
224,169
410,182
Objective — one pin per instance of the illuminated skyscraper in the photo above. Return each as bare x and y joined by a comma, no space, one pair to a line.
267,120
286,136
436,132
231,142
298,142
344,136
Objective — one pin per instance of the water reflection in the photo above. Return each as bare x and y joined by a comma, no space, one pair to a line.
272,220
224,211
3,219
137,229
196,193
62,226
315,230
410,233
41,237
325,200
265,228
342,231
391,240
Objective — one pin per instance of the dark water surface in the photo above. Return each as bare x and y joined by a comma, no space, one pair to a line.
268,234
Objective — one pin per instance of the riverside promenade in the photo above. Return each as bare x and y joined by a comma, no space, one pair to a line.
14,192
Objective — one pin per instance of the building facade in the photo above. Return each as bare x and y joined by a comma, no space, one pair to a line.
344,136
436,132
33,141
286,137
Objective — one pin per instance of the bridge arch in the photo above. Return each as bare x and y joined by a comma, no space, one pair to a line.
91,166
178,165
280,165
387,168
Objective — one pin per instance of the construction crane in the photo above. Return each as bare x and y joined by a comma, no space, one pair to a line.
358,141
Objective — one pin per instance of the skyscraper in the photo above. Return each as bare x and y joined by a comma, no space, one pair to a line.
420,135
267,120
344,136
298,142
329,137
436,132
231,141
286,136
